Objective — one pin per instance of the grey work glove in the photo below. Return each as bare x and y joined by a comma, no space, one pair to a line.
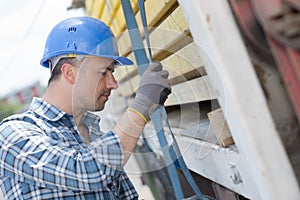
153,91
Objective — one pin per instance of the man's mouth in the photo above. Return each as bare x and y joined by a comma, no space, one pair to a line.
105,95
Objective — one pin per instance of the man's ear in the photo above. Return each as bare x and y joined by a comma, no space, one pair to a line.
68,72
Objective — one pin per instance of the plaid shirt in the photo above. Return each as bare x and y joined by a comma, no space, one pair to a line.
42,156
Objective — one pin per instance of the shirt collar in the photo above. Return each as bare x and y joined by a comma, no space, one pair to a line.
52,113
90,119
46,110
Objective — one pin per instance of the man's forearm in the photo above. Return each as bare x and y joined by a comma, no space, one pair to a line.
129,128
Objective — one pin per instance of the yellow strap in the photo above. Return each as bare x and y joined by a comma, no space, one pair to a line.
72,55
139,114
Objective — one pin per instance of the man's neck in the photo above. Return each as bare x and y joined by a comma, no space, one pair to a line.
59,96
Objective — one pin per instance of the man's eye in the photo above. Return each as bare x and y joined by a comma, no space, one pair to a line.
102,73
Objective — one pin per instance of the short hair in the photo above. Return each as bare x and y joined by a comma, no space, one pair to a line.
56,73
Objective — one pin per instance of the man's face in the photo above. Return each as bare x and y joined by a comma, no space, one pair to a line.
94,82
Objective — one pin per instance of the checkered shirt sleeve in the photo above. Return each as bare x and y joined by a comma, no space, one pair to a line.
45,160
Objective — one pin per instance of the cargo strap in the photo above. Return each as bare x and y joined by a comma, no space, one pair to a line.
172,155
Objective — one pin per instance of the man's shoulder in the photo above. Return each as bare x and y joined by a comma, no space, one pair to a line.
18,126
21,118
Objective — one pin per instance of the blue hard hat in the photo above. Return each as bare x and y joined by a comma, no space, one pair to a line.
82,36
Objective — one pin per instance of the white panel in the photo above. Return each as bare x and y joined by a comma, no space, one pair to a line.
221,165
241,97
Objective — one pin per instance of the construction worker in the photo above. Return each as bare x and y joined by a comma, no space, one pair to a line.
56,150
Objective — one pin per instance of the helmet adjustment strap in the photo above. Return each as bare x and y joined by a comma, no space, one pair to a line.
53,61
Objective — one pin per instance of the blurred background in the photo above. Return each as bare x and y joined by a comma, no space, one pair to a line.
25,26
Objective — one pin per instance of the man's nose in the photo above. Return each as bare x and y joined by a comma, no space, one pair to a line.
111,82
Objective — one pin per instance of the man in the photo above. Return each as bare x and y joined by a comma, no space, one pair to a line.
56,150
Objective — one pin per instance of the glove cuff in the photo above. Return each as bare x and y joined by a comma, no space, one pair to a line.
138,113
142,104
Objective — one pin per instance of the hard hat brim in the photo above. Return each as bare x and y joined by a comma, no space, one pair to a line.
120,60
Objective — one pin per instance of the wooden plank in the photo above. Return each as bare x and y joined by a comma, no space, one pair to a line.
195,73
165,42
182,62
155,10
168,34
118,24
173,37
220,127
116,7
97,8
89,6
195,90
179,43
184,65
111,12
107,12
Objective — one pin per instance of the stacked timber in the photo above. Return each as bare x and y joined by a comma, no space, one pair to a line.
173,46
